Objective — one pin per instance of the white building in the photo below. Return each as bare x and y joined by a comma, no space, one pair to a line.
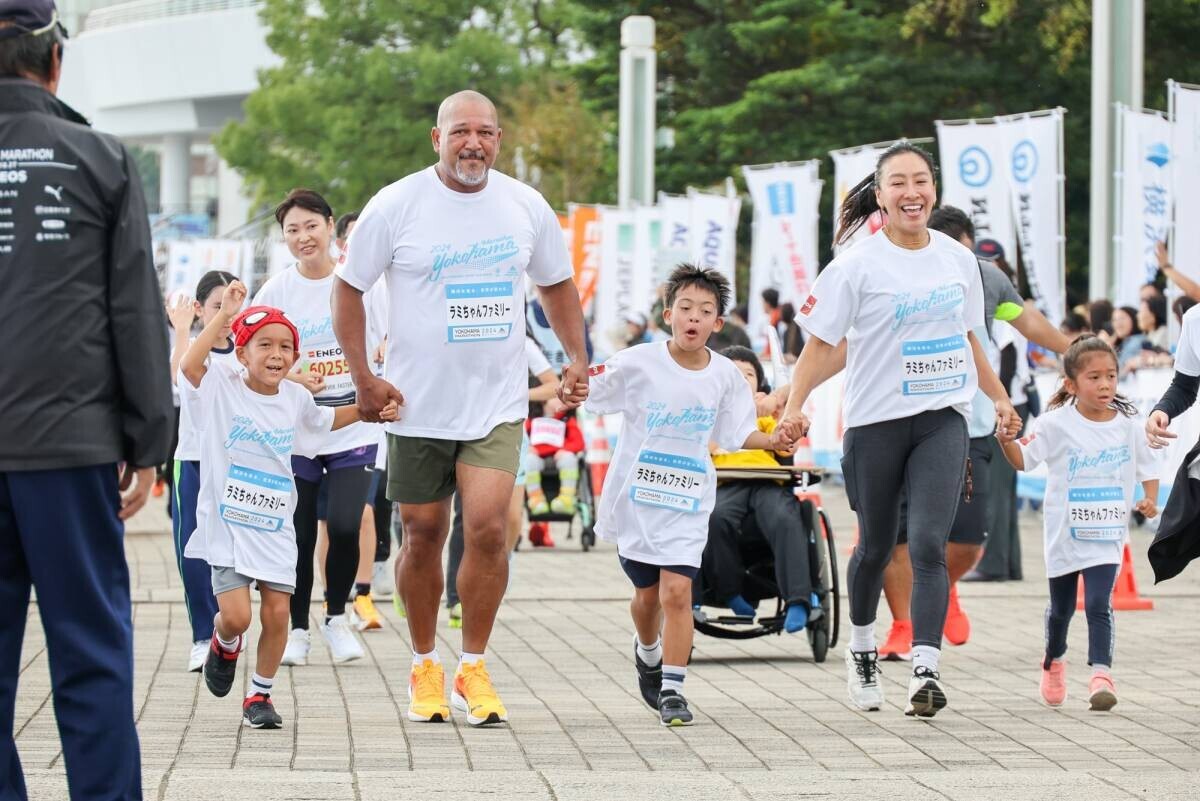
167,75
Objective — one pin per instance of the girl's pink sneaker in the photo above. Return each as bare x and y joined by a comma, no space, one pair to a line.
1054,683
1103,693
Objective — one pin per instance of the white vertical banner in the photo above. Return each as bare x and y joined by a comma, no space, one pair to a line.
189,259
676,213
1037,181
614,285
849,167
181,276
1185,238
647,239
714,233
975,178
783,252
1144,198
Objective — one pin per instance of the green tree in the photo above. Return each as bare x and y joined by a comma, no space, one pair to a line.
350,107
753,82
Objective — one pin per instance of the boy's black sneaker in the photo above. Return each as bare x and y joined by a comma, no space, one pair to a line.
220,668
673,709
259,713
649,678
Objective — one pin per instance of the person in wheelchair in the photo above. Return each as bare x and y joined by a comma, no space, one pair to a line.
554,434
752,513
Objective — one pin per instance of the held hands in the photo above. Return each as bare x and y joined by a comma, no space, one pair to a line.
573,389
374,396
232,299
181,314
790,430
390,413
1147,507
1157,435
553,407
1008,422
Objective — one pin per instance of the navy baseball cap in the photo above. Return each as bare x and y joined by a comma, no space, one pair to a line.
27,17
989,249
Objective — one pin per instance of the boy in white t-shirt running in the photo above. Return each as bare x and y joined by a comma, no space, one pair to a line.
249,426
1093,445
675,397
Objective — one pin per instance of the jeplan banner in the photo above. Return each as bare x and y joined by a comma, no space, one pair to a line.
615,283
1144,204
714,233
1184,103
1036,182
676,211
188,260
584,242
975,178
783,253
849,167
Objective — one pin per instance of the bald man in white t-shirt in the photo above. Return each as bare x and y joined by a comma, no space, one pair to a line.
455,242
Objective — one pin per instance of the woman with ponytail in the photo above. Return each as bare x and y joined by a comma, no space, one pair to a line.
907,300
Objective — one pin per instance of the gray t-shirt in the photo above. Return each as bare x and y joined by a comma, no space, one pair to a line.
1001,301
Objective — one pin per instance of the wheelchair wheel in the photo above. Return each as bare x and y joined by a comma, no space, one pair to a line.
586,509
835,581
818,638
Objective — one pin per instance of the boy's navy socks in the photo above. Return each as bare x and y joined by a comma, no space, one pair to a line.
740,606
796,619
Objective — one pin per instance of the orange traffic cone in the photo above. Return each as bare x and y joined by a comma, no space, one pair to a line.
598,455
1125,597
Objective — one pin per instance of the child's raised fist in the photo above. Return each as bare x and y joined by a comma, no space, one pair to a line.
232,299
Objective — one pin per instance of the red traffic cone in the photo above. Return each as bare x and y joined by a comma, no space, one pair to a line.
1125,597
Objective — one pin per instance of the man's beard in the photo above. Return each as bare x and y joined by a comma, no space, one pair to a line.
467,178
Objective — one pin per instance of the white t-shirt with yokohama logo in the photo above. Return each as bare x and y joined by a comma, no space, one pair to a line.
247,492
307,303
905,315
661,485
1092,469
455,265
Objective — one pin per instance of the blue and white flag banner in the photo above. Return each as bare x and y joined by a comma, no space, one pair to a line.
975,178
1144,162
783,252
647,241
676,213
714,220
615,285
1185,238
1036,180
849,167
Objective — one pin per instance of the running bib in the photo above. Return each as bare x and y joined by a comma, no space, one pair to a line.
669,481
329,362
932,366
255,499
1097,514
548,431
479,312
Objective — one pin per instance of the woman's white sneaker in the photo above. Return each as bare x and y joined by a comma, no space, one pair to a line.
925,693
296,652
343,646
862,679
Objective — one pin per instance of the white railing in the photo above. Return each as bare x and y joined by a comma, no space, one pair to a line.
145,10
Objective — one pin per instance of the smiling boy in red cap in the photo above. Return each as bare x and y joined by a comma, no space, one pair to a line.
249,426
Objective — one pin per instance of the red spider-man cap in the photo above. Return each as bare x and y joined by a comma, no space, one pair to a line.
246,324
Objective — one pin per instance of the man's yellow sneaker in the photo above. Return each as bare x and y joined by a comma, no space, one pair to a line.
366,614
427,693
475,695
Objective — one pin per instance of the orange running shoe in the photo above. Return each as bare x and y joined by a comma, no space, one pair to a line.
898,646
475,695
427,693
958,626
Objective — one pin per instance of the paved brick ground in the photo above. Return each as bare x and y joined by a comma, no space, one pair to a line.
771,723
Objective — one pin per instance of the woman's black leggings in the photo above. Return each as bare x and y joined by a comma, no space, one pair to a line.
925,456
347,491
1098,582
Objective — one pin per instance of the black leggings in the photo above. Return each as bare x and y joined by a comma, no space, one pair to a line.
925,455
1098,582
347,488
383,519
